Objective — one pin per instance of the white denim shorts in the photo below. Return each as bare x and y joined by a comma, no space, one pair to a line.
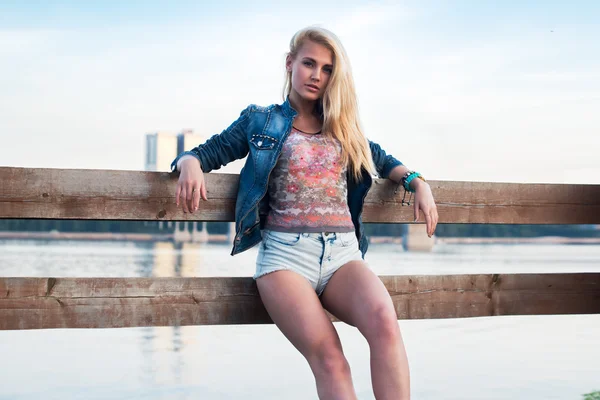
315,256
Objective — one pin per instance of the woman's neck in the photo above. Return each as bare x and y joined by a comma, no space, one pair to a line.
305,108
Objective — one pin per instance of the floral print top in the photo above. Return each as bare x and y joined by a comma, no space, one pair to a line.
308,187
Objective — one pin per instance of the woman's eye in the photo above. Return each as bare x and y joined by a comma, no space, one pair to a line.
308,63
328,70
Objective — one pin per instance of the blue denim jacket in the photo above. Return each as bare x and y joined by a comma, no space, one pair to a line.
261,132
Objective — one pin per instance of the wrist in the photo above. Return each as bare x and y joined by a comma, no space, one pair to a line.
188,160
409,180
417,183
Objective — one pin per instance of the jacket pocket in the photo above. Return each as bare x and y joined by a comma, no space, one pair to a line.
263,142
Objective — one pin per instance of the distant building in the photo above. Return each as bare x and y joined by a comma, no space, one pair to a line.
162,148
187,140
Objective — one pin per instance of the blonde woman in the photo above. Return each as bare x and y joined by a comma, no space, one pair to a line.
300,196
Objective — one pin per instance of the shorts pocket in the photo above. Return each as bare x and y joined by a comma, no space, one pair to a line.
347,239
286,238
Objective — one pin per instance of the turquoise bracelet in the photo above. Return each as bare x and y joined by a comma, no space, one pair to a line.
409,179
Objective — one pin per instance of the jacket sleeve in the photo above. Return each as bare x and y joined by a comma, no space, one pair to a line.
384,163
222,148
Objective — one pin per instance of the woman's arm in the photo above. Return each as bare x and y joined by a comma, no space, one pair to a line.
383,162
221,149
423,198
217,151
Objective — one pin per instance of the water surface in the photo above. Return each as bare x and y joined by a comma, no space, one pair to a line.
524,357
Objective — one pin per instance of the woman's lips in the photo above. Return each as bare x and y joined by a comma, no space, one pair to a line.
312,88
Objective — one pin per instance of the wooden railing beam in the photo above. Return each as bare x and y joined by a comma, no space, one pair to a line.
42,303
132,195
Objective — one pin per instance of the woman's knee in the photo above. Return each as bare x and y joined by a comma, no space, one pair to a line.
328,358
382,325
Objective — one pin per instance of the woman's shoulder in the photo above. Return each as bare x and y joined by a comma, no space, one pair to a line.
262,109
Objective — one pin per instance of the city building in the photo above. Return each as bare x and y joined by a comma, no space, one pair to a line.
163,147
160,150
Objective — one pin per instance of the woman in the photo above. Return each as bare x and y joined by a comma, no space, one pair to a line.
300,196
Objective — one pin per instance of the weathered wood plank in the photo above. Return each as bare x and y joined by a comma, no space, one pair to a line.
42,303
134,195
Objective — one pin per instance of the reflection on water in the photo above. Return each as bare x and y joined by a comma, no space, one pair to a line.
530,357
169,259
155,343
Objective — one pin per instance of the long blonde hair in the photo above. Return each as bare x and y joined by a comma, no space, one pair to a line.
338,105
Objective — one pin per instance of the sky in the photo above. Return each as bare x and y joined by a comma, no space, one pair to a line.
458,90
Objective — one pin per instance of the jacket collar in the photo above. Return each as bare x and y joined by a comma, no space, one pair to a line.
288,111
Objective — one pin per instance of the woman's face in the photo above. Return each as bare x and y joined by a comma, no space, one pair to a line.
311,70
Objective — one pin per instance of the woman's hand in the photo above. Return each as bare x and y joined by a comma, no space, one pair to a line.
424,202
190,185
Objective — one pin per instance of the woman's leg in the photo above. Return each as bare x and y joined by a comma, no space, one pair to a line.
295,308
357,296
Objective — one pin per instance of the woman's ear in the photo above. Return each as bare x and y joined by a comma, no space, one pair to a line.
288,63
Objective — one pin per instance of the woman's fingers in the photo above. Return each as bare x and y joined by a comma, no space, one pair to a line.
199,192
416,210
431,217
189,198
195,199
203,191
190,194
183,196
434,219
190,187
177,194
424,202
429,223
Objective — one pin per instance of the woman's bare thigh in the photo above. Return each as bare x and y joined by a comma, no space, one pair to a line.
296,309
355,293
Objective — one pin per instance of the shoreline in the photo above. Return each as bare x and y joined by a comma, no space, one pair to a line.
101,236
223,238
520,240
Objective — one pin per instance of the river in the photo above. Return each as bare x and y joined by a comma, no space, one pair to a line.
520,357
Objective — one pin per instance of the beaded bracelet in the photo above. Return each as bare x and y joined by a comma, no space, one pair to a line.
408,180
408,177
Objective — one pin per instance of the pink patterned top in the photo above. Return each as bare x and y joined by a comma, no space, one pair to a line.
308,187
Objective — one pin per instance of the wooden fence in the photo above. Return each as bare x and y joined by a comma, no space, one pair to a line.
41,303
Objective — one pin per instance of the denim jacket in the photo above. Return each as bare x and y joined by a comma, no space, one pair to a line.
261,132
